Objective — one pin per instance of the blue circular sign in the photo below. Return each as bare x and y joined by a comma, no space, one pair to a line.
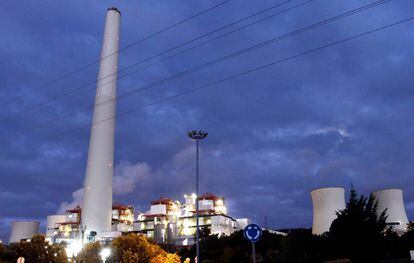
252,232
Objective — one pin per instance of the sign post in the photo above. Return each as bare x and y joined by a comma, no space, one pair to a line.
253,233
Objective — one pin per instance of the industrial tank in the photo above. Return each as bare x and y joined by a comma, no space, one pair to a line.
51,224
392,200
326,202
23,230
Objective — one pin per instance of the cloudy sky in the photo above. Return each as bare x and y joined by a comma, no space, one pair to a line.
333,117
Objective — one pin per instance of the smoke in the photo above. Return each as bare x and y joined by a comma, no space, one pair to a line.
126,178
77,197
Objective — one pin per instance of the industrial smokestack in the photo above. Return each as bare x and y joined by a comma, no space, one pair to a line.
97,201
326,202
392,200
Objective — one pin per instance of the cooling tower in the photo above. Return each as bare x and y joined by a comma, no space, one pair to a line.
23,230
326,202
97,201
392,200
52,224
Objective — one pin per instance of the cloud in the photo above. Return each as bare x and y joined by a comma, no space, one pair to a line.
340,115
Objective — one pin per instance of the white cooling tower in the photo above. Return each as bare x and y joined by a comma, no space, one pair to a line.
326,202
392,200
52,224
97,200
23,230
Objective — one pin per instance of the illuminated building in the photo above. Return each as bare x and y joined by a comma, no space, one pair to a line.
67,228
170,222
122,217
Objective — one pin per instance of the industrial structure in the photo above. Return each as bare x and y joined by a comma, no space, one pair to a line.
391,201
171,222
167,221
67,228
23,230
326,202
97,201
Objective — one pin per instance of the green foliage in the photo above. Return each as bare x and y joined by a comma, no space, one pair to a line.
359,233
37,250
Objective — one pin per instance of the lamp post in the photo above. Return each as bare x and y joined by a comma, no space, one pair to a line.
197,136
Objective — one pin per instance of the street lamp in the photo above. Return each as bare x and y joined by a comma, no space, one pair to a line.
197,136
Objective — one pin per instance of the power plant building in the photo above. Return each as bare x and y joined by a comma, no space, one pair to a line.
391,201
326,202
171,222
23,230
167,221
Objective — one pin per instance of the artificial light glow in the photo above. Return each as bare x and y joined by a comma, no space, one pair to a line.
105,253
74,248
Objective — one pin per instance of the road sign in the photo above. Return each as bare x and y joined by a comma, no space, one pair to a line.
252,232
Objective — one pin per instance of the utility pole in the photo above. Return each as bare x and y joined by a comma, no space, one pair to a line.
197,136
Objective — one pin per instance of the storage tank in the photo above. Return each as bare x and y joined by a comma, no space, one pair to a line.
52,223
326,202
23,230
392,200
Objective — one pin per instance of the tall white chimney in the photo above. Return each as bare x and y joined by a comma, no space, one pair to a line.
97,200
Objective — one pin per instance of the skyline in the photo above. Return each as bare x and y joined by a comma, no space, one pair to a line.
331,118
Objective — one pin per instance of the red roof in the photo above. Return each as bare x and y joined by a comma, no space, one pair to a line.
162,201
119,206
208,196
77,209
154,215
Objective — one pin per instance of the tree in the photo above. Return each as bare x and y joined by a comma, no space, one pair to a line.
90,253
137,248
36,250
358,233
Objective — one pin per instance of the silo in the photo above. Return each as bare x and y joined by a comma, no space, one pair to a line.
326,202
52,224
23,230
392,200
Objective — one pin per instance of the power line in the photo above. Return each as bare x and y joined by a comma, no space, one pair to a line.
243,73
232,55
73,91
64,76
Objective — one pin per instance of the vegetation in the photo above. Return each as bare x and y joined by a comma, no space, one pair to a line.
90,253
37,250
136,248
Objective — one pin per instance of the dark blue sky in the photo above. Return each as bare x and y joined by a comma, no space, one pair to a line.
338,116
